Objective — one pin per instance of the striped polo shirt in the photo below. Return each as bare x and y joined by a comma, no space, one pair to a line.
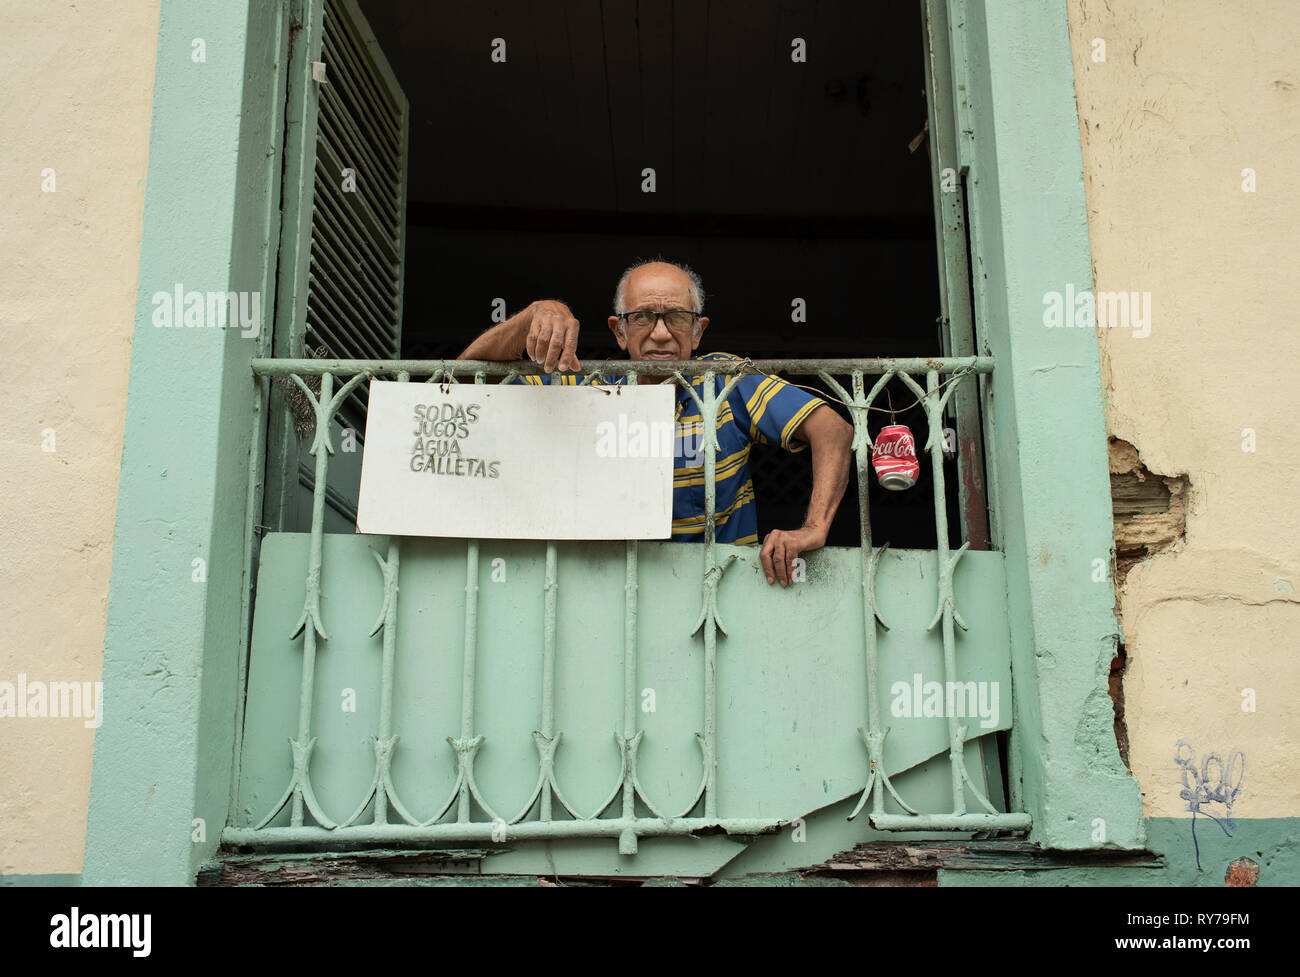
759,408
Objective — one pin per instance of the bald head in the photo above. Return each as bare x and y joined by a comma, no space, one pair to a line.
658,286
662,274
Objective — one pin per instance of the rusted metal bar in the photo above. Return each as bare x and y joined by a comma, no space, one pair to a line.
310,625
658,368
382,788
709,402
947,614
873,736
482,831
951,822
546,739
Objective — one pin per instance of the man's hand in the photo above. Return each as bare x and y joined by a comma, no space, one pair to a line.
783,546
545,330
831,437
553,337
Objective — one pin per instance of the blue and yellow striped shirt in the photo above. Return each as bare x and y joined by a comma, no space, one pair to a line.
765,409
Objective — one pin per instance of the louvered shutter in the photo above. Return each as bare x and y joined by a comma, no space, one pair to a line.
341,249
354,282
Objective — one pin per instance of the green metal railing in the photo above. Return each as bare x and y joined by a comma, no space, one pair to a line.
627,826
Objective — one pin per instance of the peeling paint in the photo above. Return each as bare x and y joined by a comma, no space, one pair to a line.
1150,509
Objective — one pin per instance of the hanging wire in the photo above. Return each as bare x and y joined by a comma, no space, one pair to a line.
746,366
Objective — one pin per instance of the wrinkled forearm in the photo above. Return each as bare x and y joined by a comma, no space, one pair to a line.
504,341
830,437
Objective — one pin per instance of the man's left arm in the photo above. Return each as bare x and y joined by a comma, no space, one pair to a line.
831,438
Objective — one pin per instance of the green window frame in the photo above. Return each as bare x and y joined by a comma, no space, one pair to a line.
191,476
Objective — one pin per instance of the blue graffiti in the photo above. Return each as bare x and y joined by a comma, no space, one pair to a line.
1202,788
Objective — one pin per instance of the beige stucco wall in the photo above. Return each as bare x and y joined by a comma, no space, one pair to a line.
76,99
1189,95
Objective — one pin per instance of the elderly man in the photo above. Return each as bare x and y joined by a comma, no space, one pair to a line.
658,310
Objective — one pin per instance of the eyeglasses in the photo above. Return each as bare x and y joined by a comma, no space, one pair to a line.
677,320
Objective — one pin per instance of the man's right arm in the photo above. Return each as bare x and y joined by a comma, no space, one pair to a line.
546,330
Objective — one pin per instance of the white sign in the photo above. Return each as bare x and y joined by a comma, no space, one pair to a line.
506,461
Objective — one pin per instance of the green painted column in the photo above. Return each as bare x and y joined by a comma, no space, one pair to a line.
1030,237
175,637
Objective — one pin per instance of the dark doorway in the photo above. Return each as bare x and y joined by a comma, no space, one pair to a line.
776,179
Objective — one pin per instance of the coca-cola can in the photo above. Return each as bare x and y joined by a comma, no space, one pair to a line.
894,458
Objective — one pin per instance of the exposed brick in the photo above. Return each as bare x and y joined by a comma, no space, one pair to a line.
1242,872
